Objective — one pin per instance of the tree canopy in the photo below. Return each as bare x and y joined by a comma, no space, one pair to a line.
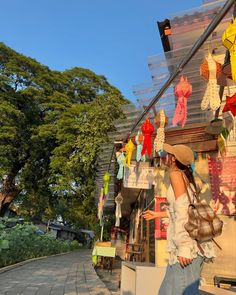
51,126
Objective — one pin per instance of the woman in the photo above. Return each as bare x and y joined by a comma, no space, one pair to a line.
185,258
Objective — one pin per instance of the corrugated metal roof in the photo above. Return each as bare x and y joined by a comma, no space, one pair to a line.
161,66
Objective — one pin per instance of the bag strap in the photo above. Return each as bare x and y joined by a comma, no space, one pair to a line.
216,244
186,184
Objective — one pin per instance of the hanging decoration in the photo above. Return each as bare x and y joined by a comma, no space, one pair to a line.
228,120
106,179
162,121
182,90
205,70
120,157
139,142
210,70
129,147
147,130
230,105
118,201
100,206
221,144
229,41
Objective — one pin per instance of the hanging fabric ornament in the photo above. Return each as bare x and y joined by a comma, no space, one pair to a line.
210,70
147,130
100,207
193,163
228,120
221,144
129,147
139,141
106,179
161,120
230,105
229,41
225,132
182,90
118,201
121,162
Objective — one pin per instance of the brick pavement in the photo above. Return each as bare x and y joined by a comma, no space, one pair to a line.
67,274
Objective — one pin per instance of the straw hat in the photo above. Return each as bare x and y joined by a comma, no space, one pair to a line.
182,153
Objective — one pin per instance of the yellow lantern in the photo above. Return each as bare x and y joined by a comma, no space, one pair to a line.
229,41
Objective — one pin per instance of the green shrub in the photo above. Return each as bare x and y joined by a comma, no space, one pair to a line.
74,245
21,242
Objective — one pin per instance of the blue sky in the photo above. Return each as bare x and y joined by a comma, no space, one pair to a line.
111,38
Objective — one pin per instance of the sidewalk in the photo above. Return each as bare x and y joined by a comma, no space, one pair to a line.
68,274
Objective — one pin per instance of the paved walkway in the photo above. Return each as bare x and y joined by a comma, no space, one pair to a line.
68,274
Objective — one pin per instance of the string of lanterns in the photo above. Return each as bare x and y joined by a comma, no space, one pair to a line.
214,74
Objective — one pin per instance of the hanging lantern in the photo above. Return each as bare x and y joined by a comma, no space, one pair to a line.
139,138
106,179
100,206
161,120
221,144
120,157
229,41
182,91
118,201
210,70
147,129
129,147
230,105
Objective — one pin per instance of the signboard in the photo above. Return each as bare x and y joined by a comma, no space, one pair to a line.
160,223
222,172
137,176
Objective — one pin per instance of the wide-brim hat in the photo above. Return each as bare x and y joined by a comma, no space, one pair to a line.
182,153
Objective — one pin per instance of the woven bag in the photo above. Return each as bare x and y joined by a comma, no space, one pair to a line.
203,224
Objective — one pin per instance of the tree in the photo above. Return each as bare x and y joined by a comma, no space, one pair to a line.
51,126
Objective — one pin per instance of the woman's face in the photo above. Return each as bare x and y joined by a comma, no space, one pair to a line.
166,159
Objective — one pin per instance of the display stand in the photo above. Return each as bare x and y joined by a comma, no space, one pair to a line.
140,278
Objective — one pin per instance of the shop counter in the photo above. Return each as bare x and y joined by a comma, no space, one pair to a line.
141,278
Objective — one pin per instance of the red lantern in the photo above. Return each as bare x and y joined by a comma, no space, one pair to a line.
147,129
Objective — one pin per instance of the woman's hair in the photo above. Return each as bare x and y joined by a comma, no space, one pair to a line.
188,172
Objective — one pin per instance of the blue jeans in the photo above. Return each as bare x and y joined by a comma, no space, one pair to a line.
182,281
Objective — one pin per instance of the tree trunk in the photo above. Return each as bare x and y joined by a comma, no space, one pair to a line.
5,201
9,191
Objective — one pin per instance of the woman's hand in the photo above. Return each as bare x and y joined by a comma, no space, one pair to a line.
149,215
183,261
